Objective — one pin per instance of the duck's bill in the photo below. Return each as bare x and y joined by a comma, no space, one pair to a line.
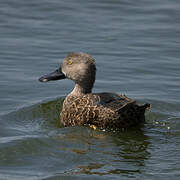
56,75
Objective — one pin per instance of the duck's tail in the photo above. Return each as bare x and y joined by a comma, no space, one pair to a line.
146,106
132,114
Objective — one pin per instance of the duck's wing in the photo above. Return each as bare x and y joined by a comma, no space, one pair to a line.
113,100
120,110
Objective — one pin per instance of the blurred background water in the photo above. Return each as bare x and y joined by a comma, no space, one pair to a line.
136,47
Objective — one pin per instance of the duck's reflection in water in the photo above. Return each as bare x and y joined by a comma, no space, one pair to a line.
107,153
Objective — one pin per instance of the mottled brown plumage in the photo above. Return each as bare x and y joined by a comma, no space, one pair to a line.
88,109
81,107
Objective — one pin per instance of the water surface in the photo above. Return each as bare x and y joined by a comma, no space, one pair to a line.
136,47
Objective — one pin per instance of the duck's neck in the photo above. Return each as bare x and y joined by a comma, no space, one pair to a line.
81,90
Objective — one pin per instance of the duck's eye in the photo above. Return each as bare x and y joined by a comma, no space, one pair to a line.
70,62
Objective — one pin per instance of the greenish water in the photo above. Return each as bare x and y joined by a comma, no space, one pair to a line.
136,47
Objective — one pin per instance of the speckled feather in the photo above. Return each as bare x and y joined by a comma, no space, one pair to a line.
104,110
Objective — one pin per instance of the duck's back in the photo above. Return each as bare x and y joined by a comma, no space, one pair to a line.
104,110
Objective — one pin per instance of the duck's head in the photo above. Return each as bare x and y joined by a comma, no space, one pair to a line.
79,67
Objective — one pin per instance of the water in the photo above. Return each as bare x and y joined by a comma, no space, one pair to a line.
136,47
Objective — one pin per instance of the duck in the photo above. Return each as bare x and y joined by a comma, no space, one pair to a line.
100,110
